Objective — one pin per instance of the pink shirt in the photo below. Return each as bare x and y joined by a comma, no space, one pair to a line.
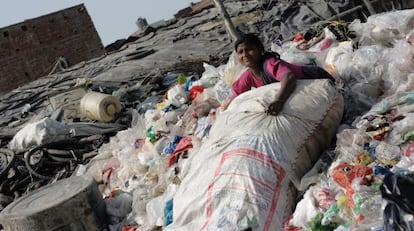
277,67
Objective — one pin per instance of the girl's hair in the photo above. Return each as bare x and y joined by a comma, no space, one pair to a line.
252,39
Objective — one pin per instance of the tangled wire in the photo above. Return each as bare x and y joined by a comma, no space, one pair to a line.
23,172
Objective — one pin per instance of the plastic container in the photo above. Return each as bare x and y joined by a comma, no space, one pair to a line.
100,107
73,203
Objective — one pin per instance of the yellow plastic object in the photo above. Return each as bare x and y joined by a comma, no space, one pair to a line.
100,107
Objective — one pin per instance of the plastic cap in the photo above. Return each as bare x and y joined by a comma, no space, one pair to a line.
110,109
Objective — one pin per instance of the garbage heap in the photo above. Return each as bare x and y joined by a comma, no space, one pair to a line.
146,172
361,183
369,182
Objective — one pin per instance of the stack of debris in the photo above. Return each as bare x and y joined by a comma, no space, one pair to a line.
145,158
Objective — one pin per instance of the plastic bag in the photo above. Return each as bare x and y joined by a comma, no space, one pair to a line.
400,64
41,132
177,96
384,28
155,207
338,61
118,207
233,69
224,92
210,75
398,191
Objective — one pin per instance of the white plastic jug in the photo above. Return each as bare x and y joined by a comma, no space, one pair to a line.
100,107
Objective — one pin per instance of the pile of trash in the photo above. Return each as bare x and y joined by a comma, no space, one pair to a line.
369,184
141,168
364,184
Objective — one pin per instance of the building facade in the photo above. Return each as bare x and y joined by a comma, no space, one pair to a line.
30,49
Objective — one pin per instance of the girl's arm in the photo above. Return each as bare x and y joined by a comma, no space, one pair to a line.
287,86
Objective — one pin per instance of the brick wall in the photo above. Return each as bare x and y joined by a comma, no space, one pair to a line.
28,50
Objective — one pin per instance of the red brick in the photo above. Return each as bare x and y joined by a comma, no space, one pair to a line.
29,49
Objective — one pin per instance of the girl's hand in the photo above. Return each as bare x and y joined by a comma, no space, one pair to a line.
275,107
287,86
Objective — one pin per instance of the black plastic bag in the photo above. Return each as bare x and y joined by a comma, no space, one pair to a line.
398,191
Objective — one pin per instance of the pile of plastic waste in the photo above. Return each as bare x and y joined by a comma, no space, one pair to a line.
366,187
141,168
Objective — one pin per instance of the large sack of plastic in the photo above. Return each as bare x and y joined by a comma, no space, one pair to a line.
242,175
384,28
40,132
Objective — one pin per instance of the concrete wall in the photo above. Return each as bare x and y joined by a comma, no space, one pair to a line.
28,50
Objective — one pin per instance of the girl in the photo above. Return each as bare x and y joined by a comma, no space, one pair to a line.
265,68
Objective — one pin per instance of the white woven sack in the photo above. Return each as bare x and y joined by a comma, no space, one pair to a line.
303,129
242,175
233,185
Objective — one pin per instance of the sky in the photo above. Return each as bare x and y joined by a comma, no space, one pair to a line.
113,19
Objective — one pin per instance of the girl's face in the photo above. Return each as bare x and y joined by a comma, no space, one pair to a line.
249,55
